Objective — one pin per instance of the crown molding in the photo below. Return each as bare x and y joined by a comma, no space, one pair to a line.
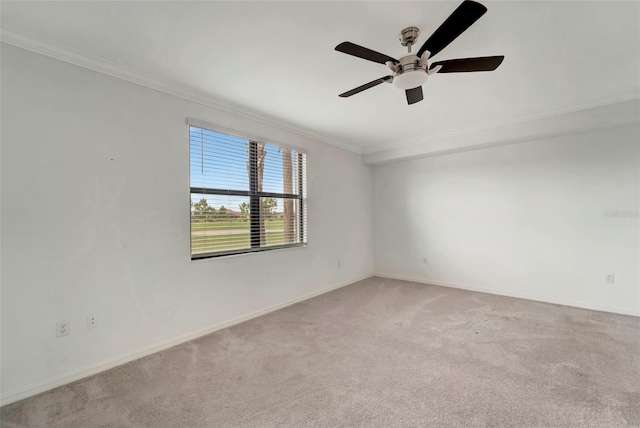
123,72
436,136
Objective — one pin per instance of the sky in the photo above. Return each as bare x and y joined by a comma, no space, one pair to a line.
220,161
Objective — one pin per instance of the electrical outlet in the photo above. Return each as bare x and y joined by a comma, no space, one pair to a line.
63,328
609,278
92,321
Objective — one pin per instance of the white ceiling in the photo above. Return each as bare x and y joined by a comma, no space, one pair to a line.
277,59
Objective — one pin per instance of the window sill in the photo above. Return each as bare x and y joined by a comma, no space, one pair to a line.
246,253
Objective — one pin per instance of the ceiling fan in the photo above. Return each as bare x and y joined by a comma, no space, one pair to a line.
412,70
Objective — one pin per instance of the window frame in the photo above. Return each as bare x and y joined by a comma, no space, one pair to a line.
253,195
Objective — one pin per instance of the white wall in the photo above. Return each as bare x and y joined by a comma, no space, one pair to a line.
95,220
525,220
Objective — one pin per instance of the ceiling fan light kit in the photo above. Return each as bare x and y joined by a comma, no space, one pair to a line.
411,71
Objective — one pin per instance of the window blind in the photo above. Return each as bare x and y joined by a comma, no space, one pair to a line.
246,195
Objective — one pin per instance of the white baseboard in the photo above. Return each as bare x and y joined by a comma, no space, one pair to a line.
66,378
574,303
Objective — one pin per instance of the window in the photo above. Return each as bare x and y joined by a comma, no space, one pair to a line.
246,195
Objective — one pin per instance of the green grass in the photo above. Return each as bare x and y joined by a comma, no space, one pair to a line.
235,225
225,242
206,244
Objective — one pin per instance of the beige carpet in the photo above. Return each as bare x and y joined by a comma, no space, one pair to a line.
378,353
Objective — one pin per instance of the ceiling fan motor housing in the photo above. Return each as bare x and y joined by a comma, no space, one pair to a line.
411,73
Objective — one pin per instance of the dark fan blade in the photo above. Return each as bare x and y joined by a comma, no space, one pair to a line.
366,86
462,65
461,19
414,95
364,53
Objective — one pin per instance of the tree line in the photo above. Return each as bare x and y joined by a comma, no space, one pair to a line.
201,211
